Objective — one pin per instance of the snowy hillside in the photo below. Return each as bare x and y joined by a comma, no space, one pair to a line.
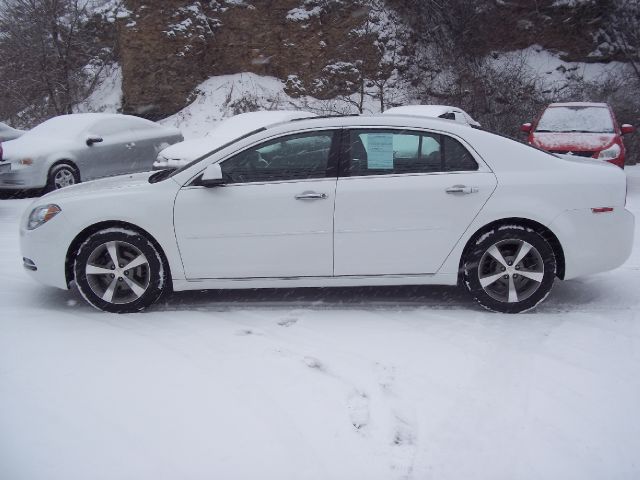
555,73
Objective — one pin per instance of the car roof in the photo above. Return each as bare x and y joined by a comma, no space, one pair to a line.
246,122
379,120
430,111
579,104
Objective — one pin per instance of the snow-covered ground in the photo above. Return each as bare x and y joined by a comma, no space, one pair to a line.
320,384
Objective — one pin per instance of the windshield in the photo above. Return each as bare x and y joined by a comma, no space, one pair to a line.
576,119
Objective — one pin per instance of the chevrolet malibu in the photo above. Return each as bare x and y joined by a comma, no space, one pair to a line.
335,202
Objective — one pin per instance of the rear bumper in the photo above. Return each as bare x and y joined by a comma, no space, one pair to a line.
594,242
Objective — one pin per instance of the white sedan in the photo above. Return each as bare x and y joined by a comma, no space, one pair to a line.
335,202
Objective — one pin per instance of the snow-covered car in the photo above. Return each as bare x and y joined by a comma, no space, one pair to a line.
9,133
71,148
337,202
580,129
435,111
229,129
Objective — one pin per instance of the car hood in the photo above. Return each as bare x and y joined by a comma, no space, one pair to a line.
31,147
120,182
189,150
573,141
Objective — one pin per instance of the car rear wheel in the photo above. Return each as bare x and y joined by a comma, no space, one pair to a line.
62,175
120,271
510,269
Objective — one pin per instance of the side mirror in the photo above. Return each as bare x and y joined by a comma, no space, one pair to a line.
91,139
626,128
211,177
525,127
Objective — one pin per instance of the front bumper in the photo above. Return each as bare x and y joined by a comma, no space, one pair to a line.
594,242
44,250
22,178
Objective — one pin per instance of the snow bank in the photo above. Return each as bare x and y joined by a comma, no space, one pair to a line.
224,96
552,71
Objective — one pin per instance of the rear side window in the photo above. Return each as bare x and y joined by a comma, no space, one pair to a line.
457,157
384,152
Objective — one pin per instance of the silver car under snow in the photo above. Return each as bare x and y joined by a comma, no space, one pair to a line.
72,148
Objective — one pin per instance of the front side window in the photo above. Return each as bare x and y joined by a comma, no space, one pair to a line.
382,152
293,157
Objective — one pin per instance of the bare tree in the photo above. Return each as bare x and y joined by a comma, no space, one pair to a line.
53,55
624,31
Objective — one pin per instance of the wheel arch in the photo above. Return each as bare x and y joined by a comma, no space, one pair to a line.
64,161
96,227
546,233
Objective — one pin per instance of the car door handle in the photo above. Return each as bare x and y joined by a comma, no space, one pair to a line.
311,196
130,145
461,189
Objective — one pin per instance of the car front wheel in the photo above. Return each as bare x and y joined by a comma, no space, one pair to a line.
62,175
119,270
510,269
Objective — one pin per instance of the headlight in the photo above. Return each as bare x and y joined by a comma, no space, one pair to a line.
41,215
610,153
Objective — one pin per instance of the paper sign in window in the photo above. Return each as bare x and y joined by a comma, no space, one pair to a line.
380,151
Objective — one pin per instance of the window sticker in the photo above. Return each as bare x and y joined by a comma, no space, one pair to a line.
380,151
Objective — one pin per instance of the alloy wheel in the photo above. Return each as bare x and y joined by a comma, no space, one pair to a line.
118,272
64,178
511,270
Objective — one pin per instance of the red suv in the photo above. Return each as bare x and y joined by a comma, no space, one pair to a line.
583,129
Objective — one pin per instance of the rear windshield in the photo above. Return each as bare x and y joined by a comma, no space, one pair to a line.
576,119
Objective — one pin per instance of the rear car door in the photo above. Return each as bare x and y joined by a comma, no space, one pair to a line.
273,217
403,200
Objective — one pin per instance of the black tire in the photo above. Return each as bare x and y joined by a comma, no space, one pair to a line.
492,282
67,170
148,279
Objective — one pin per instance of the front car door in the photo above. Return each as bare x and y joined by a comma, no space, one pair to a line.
403,200
112,156
273,217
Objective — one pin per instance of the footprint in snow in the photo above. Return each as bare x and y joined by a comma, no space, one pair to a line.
287,322
314,363
404,434
358,407
386,376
